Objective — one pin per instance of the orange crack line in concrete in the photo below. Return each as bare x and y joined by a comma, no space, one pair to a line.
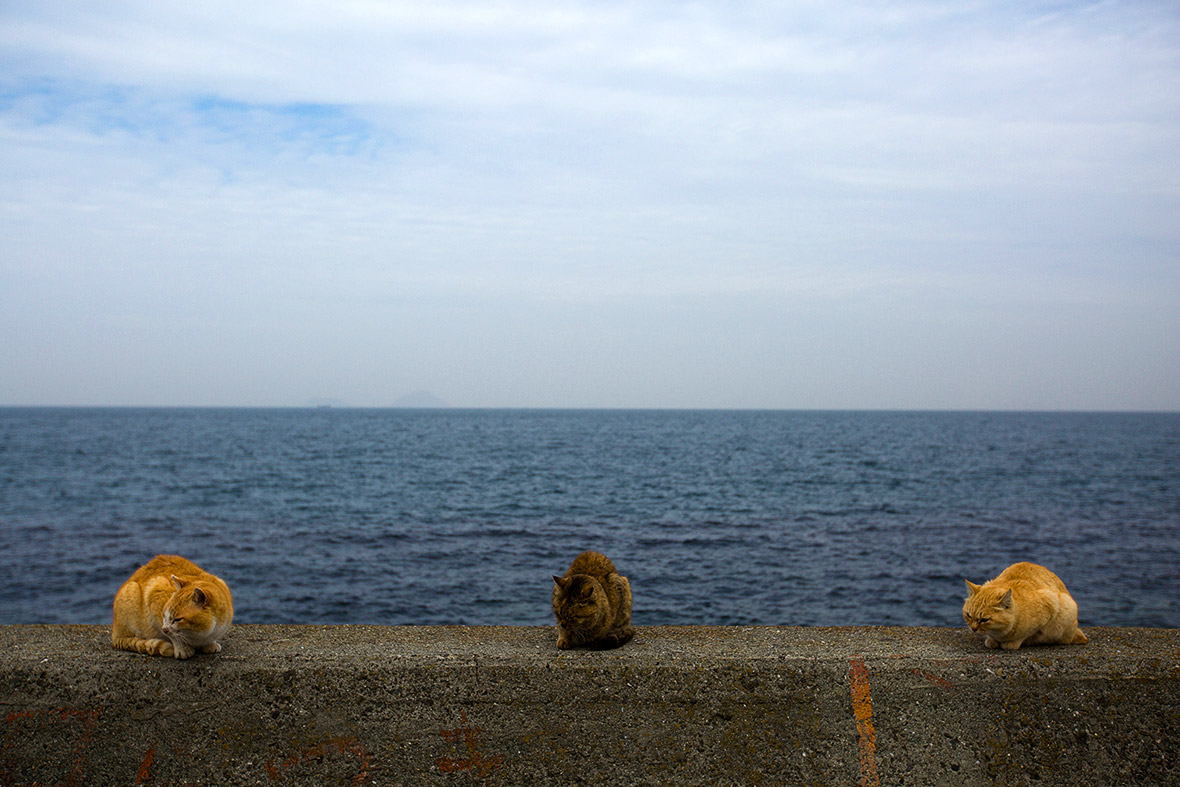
862,710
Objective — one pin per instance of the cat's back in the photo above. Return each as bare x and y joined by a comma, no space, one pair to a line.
155,583
1032,577
594,564
165,566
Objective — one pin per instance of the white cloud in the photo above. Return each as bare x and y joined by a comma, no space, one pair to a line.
248,163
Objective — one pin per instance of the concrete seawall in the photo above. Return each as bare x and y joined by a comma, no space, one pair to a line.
452,705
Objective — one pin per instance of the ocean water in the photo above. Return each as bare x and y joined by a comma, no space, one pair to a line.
462,516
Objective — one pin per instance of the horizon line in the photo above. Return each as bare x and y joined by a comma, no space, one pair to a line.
566,408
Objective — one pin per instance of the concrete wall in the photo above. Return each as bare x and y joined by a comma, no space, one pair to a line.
357,705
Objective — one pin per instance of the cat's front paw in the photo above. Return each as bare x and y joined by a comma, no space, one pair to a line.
212,647
182,651
991,643
1011,644
563,643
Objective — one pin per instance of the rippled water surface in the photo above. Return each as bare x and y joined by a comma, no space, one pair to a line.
457,516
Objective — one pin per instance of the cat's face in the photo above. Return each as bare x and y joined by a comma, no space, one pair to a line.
988,609
578,602
189,613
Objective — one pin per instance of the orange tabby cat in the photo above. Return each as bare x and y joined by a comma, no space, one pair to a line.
170,607
1025,605
592,604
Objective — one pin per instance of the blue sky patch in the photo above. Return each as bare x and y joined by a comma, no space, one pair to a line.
300,128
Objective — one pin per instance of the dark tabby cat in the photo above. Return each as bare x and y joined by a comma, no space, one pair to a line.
592,604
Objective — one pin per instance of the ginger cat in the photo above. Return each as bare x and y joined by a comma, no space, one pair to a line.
1025,605
170,607
592,604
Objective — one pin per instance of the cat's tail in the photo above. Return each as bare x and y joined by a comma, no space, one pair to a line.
150,647
614,638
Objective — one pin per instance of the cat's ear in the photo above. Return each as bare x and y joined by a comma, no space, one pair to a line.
557,580
1006,601
176,581
199,597
972,588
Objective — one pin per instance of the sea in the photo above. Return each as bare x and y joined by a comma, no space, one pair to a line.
451,516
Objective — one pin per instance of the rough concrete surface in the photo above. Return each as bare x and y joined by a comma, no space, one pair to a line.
454,705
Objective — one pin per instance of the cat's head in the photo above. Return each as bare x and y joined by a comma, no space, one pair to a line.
194,610
579,601
988,608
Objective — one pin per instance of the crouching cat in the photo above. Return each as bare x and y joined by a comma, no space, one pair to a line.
170,607
592,603
1025,605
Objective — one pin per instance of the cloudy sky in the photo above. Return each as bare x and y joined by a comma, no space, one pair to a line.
591,204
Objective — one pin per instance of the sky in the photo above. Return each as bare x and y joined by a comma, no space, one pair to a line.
713,204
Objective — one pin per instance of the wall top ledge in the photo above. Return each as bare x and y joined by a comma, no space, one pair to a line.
284,646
